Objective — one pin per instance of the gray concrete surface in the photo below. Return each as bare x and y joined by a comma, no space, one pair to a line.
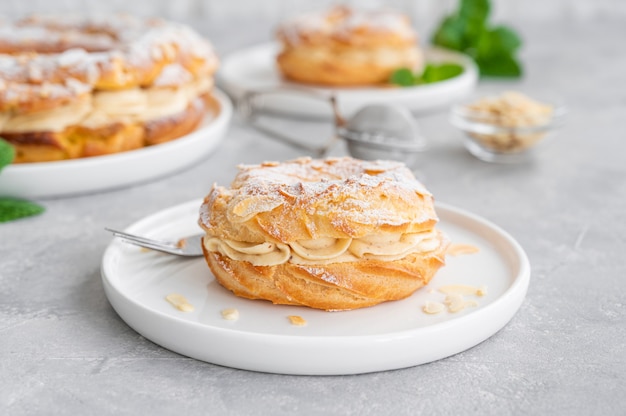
63,350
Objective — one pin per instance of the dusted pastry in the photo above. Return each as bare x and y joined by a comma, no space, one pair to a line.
347,47
73,87
331,234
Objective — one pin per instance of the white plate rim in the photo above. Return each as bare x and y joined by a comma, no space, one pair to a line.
443,92
509,301
213,132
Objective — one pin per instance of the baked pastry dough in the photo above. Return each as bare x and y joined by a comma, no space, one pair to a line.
75,86
347,47
331,234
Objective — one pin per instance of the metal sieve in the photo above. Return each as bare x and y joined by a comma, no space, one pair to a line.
376,131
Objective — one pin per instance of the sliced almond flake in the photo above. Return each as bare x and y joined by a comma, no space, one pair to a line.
230,314
297,320
433,308
460,249
481,291
180,302
457,302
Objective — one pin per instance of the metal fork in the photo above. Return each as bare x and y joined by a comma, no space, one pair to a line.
190,246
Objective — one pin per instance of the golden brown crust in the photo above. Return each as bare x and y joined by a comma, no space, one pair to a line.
42,146
304,66
78,141
311,200
346,47
307,198
337,286
169,128
115,138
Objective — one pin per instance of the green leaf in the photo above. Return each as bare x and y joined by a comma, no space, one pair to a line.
473,14
467,30
434,73
500,66
507,38
403,77
13,209
450,34
477,10
431,73
497,42
7,153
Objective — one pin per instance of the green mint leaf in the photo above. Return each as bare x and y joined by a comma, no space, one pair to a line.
473,14
497,42
499,66
507,38
431,73
7,153
450,33
13,209
476,10
403,77
468,31
435,73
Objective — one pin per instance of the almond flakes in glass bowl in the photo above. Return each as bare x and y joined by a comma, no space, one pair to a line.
506,128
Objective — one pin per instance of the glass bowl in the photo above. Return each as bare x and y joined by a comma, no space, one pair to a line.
510,134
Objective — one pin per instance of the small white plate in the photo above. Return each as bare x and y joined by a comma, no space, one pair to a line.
383,337
255,69
99,173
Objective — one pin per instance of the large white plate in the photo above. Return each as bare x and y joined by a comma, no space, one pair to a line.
254,69
71,177
383,337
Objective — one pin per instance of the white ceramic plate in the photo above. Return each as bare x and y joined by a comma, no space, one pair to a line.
71,177
383,337
254,69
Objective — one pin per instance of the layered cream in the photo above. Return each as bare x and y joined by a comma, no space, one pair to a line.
102,108
326,250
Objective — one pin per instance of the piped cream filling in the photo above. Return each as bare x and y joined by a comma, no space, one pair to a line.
386,247
320,249
107,107
55,119
259,254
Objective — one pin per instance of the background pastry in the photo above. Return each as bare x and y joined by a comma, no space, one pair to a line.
347,47
332,234
76,86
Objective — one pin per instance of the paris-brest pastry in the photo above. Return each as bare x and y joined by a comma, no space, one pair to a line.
332,234
347,47
73,87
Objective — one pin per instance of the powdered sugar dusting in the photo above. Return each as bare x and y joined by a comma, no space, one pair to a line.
341,22
53,49
315,176
172,75
345,191
323,274
383,20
